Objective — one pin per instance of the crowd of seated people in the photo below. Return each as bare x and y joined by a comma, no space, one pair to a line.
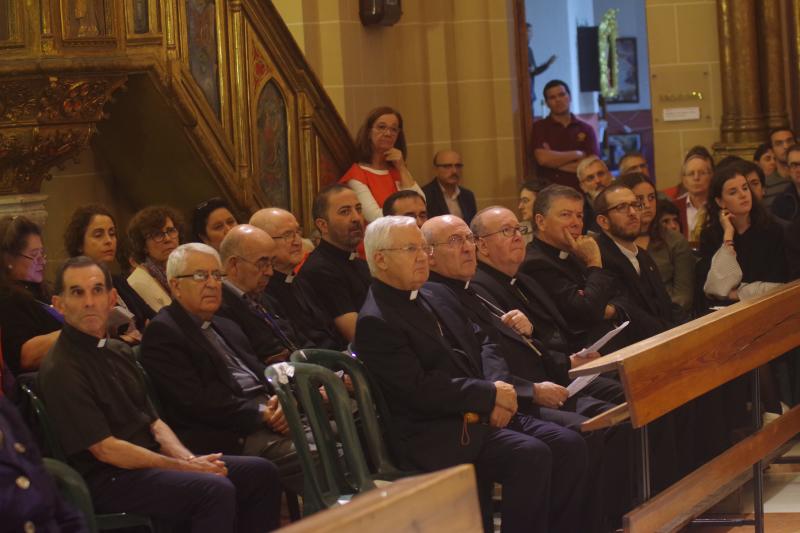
468,320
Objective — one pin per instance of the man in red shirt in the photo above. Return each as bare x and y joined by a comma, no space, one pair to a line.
560,141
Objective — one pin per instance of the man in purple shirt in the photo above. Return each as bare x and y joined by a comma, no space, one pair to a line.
560,141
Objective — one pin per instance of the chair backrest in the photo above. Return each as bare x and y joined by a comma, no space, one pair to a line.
72,486
371,405
51,441
146,381
306,379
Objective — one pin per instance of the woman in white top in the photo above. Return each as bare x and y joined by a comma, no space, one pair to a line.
153,233
380,169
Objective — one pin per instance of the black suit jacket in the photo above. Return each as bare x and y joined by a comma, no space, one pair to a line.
643,297
436,206
427,384
203,403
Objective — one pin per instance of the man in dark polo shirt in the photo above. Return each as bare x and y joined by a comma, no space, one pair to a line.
339,278
131,460
560,141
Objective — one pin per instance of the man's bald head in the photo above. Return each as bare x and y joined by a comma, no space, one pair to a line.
282,226
269,217
453,247
500,244
241,238
246,253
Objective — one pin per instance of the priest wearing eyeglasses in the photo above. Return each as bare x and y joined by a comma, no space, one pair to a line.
206,374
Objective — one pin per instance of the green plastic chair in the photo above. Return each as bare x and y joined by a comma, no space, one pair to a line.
372,409
101,522
330,480
73,488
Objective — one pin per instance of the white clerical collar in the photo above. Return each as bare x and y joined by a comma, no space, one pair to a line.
513,280
101,343
289,278
205,324
413,295
563,255
353,256
466,285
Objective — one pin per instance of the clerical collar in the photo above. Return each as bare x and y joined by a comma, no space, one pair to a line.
84,340
205,325
413,295
551,250
334,251
500,276
236,290
450,282
280,277
397,295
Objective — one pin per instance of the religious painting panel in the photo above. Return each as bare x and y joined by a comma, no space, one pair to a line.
272,145
202,48
87,19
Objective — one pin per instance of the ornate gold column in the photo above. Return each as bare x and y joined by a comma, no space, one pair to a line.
773,95
742,119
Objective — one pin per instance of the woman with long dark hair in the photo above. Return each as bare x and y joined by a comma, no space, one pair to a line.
380,167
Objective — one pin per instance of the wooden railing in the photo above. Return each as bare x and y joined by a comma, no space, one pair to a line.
249,107
664,372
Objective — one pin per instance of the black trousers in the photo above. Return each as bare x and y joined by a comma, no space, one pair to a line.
542,468
246,501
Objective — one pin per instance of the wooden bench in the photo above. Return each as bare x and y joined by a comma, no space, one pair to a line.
664,372
446,500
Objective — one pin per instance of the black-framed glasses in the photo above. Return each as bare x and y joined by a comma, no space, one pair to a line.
262,264
624,207
289,235
202,276
383,128
38,257
412,249
509,231
457,241
160,236
457,166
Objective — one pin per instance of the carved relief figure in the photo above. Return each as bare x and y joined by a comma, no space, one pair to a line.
273,146
203,61
83,13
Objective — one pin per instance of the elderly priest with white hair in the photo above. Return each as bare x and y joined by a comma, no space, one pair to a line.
443,410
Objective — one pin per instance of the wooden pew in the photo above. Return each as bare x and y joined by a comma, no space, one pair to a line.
446,500
664,372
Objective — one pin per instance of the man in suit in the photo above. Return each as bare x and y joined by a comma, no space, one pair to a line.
285,293
209,381
501,250
246,254
443,194
568,265
428,366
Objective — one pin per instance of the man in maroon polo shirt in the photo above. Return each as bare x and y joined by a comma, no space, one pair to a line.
560,141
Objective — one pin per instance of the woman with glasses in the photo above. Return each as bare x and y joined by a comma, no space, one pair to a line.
29,324
92,231
153,233
696,172
670,250
211,221
381,167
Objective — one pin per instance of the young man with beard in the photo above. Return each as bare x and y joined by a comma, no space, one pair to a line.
339,278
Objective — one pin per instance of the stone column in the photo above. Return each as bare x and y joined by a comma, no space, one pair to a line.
742,118
773,95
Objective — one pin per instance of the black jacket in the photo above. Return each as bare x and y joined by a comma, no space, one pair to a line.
202,402
786,205
436,206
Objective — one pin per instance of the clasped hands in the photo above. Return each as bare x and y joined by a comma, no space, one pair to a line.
211,464
505,405
273,416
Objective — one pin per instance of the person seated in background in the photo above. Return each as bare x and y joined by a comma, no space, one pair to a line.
669,250
668,217
131,459
501,251
428,366
407,203
153,233
568,265
443,193
92,231
210,383
381,167
32,502
527,196
29,324
338,277
246,254
780,139
286,294
634,162
764,157
786,205
561,140
593,177
696,172
211,221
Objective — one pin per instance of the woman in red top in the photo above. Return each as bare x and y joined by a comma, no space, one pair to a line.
381,168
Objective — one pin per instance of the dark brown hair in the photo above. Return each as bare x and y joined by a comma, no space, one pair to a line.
364,146
148,221
75,232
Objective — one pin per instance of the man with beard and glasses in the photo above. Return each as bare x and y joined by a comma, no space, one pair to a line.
339,278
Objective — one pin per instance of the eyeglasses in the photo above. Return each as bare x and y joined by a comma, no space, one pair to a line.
783,142
457,241
160,236
794,165
262,264
697,173
458,166
624,207
383,128
202,276
38,257
289,235
411,249
509,231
